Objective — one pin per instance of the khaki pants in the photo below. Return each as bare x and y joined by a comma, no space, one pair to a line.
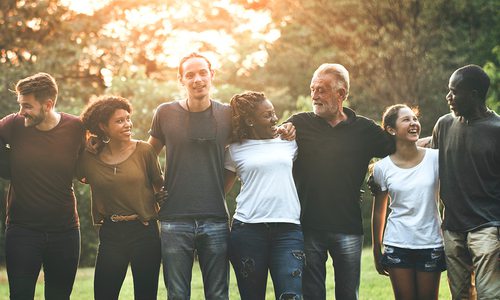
473,257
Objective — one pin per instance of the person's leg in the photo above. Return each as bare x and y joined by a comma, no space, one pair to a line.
345,250
287,261
484,245
429,265
428,285
313,281
60,262
212,247
403,283
23,251
112,261
177,250
145,260
459,263
249,254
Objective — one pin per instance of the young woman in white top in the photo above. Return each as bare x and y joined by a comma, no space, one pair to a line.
413,245
266,233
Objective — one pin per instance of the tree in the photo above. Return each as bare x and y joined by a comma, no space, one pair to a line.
396,50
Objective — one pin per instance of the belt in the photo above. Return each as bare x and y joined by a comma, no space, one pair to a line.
119,218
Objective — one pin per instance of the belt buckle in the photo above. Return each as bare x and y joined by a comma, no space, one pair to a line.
114,218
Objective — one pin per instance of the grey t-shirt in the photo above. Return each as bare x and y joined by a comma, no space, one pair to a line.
194,176
469,171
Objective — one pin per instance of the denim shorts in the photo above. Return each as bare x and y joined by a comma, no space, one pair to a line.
422,260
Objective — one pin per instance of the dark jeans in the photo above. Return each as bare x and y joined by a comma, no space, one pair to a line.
27,250
179,241
122,243
255,249
345,250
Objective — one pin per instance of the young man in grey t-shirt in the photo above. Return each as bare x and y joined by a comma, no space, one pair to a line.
195,132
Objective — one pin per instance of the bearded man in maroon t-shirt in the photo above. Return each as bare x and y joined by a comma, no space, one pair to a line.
42,221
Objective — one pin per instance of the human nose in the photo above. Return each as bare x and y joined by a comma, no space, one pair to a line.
314,94
448,96
197,78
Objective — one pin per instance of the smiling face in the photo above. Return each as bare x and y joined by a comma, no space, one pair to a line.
407,127
33,111
263,121
119,126
326,97
197,78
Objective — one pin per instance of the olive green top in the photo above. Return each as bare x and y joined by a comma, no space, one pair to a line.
125,188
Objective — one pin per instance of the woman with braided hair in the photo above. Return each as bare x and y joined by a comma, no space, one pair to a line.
266,234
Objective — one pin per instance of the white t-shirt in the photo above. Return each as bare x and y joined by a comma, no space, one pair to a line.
414,220
268,191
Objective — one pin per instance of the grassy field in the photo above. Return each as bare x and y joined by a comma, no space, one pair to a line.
373,285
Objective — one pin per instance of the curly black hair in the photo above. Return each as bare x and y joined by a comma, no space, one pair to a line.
243,106
100,110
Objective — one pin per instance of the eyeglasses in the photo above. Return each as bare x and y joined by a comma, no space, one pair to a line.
202,129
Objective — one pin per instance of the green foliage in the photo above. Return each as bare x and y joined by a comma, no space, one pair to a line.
493,71
396,51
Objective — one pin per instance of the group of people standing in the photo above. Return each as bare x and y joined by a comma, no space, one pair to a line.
299,199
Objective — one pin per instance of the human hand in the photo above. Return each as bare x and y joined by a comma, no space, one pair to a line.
377,257
93,144
287,131
161,196
373,186
425,142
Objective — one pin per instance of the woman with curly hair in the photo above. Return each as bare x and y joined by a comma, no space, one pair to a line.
413,245
123,175
266,234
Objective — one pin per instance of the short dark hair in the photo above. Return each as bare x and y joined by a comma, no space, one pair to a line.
42,85
243,106
100,111
475,78
189,56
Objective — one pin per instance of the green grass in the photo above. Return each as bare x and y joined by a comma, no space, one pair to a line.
373,285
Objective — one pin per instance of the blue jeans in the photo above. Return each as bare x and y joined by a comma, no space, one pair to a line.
256,248
27,250
345,250
121,244
179,240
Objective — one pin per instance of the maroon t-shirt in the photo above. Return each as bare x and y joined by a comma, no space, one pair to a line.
43,164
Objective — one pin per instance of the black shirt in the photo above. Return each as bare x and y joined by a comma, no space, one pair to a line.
331,166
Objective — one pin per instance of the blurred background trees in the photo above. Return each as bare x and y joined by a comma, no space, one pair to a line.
396,51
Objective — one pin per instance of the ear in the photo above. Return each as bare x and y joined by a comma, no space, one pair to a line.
179,78
391,130
48,104
342,93
212,74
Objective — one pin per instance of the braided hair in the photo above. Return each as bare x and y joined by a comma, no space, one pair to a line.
243,106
